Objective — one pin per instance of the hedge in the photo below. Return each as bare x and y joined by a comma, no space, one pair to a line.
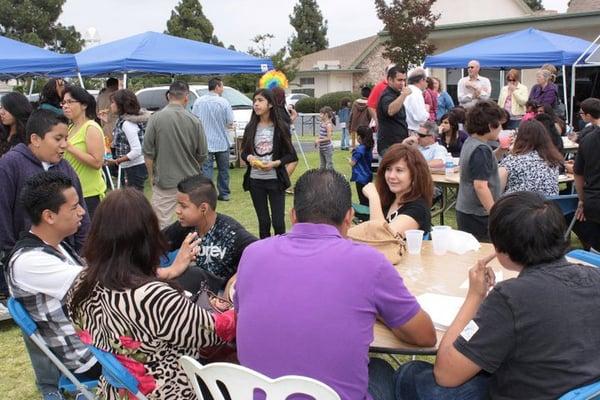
306,105
334,100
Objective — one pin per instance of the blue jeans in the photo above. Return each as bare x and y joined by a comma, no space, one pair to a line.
381,380
46,373
222,159
345,139
415,381
136,176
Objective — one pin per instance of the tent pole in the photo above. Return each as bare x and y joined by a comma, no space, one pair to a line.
569,116
125,80
80,80
501,77
572,98
31,87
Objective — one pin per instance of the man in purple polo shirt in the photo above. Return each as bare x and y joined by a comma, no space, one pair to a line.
307,301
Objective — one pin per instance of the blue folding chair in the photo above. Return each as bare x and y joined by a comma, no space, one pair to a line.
585,256
115,373
68,382
167,259
361,213
568,205
588,392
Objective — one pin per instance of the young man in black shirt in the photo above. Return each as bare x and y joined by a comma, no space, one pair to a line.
531,337
221,239
587,178
391,115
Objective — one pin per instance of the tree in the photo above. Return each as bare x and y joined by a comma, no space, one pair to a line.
535,5
311,29
408,24
34,22
188,21
262,48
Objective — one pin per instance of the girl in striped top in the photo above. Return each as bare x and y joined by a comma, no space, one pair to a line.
119,305
324,140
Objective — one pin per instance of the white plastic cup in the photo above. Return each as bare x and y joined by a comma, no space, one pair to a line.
414,240
439,237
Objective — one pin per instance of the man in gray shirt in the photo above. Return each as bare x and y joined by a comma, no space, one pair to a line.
216,116
174,149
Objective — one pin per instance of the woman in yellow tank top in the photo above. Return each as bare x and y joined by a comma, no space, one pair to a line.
85,150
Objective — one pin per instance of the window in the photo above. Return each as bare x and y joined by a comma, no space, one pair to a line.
155,99
307,81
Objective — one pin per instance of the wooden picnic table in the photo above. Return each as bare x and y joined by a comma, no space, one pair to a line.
428,273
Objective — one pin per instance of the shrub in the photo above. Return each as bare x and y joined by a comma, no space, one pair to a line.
306,105
334,100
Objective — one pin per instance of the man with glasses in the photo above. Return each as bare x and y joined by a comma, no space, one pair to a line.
473,87
435,154
174,149
391,116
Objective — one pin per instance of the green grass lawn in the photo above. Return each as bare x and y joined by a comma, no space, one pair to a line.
16,374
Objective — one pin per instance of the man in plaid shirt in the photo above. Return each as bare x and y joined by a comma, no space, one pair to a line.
41,270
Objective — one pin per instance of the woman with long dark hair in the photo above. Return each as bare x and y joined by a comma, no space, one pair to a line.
128,136
14,113
51,95
119,305
451,137
403,191
267,149
533,162
85,151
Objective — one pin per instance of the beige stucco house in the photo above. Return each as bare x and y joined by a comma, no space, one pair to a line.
354,64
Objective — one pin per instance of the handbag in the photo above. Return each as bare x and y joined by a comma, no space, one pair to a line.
206,299
381,237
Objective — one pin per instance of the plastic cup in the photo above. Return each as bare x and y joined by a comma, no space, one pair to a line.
439,237
505,139
414,240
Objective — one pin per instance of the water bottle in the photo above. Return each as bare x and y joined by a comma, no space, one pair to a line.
449,168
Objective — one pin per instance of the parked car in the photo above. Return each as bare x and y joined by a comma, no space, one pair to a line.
294,97
155,98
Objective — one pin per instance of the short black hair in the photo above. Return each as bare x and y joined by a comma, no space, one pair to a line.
112,83
528,228
591,106
213,83
322,196
365,91
44,191
200,189
41,122
392,72
482,116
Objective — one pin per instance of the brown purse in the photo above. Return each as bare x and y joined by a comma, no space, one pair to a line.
381,237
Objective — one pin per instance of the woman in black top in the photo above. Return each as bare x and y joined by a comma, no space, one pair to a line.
267,149
403,191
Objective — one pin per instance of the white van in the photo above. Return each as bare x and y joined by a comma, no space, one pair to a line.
154,99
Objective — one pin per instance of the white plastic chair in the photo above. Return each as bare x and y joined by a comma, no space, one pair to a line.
241,382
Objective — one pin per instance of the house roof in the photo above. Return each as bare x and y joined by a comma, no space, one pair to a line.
577,6
347,54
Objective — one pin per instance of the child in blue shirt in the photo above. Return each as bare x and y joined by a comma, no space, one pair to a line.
362,156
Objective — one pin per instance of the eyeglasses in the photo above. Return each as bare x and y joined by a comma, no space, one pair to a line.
470,67
68,102
511,80
422,135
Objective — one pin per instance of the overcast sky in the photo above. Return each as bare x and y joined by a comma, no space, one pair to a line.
236,21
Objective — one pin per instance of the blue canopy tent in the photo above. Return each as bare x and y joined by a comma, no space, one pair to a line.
528,48
19,60
158,53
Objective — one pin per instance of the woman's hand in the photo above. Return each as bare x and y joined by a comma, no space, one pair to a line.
481,278
370,191
189,249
